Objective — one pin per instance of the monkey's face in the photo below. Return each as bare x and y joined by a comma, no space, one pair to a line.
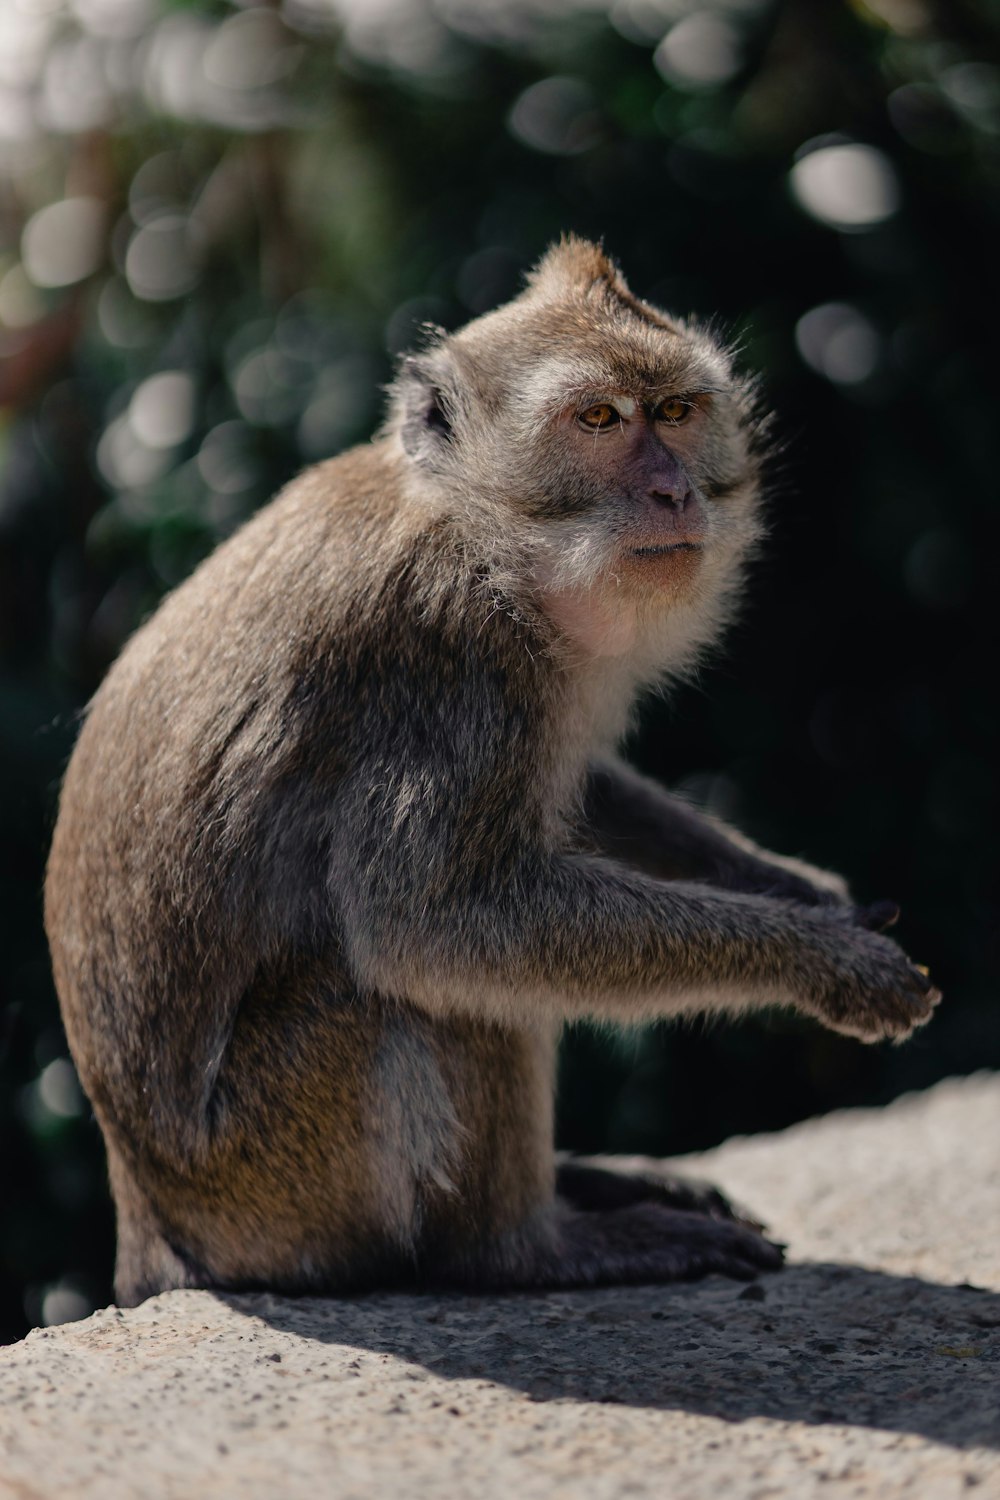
622,446
638,455
611,443
632,459
646,500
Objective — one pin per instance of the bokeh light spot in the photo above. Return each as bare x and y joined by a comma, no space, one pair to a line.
905,17
838,341
848,186
701,51
398,34
63,1303
973,86
174,80
162,409
124,322
338,408
59,1090
159,263
250,50
557,115
267,387
114,19
924,117
75,90
24,37
226,460
156,187
64,242
126,461
20,304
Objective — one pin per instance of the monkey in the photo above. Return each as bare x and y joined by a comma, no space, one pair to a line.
346,837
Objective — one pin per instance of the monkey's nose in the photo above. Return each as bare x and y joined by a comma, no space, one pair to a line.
675,498
667,483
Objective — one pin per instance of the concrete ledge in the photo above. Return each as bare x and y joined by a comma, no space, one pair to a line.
870,1367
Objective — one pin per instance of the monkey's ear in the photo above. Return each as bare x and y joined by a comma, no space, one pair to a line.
425,408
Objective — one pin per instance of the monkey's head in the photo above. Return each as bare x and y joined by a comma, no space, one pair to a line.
606,449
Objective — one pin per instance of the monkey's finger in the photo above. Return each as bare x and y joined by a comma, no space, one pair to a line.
877,915
922,1005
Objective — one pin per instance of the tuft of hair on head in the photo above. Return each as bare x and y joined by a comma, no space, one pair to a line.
575,267
573,264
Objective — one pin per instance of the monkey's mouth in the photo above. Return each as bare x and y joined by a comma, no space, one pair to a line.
667,547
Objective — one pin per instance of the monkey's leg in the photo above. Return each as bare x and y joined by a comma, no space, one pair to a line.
145,1262
595,1184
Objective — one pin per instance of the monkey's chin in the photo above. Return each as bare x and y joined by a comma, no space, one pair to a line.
661,567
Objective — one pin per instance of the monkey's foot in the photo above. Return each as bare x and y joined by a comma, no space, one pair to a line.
596,1184
650,1243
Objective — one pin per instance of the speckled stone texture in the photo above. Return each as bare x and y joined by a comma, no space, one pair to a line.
870,1367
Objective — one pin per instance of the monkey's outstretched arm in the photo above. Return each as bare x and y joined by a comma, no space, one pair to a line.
570,935
632,819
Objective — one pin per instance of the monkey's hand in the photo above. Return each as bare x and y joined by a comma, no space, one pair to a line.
863,984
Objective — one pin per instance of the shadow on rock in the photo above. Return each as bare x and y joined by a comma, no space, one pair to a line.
818,1343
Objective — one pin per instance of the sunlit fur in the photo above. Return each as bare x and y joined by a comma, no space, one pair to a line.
345,836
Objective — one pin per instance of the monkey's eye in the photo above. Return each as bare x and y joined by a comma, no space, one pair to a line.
673,410
600,416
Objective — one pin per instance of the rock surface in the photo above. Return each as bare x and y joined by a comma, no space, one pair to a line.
869,1368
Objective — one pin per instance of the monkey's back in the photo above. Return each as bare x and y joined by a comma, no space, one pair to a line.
197,723
260,1115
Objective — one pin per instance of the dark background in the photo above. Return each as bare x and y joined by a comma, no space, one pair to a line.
263,204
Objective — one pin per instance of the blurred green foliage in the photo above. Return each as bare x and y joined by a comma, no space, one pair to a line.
220,226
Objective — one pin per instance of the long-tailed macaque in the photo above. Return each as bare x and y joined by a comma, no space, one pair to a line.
345,837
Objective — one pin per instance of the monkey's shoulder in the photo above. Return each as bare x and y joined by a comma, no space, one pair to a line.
341,613
349,552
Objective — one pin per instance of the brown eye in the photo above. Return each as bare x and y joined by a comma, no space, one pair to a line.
673,410
600,416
